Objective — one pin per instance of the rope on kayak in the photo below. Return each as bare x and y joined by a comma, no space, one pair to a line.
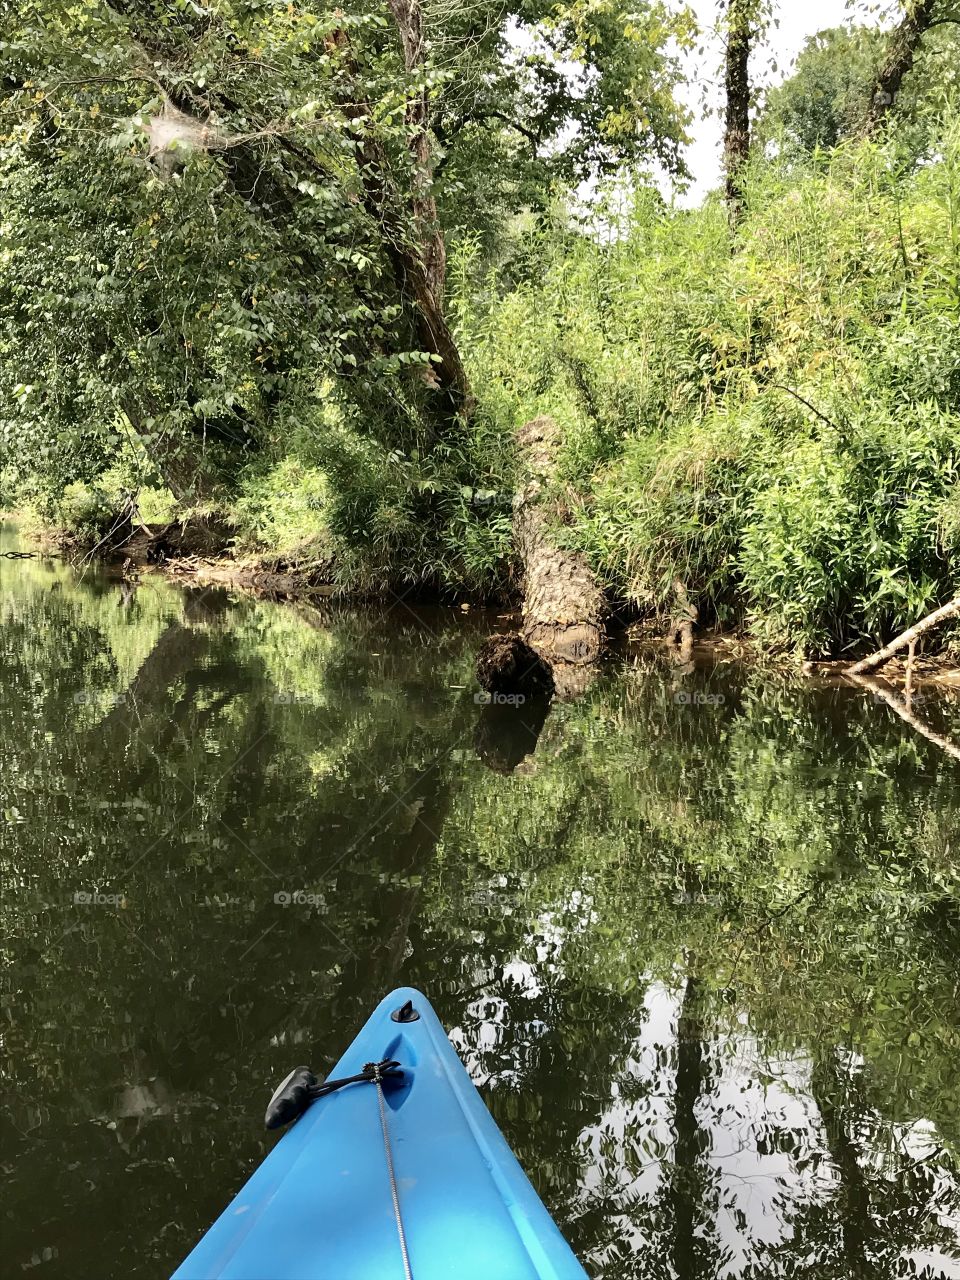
372,1071
375,1068
301,1087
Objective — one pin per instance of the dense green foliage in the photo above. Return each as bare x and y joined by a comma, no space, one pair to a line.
776,426
768,416
825,100
205,214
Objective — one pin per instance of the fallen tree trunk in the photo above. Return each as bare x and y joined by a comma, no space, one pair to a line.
905,638
564,610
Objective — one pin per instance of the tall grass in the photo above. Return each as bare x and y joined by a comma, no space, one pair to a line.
775,420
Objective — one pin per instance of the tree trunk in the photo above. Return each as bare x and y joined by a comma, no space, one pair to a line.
899,60
409,19
181,468
736,140
564,611
419,267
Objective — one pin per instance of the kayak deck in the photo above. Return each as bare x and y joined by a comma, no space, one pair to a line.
319,1207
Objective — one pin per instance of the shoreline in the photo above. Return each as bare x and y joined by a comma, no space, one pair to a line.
250,576
253,575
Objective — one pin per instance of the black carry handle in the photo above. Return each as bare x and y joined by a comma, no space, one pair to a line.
301,1086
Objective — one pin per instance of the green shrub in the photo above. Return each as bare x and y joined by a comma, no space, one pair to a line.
283,509
157,506
772,422
86,512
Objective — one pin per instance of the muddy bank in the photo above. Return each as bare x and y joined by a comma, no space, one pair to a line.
709,647
243,575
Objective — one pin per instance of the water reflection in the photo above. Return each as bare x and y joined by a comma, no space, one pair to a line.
695,933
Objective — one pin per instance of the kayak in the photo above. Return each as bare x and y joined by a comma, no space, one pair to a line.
394,1170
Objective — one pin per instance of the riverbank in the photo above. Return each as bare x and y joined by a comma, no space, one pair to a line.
771,445
272,578
261,576
710,647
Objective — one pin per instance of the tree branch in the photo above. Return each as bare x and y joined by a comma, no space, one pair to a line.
813,409
943,614
445,138
898,62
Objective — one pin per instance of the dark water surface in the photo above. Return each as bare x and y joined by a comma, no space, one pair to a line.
700,954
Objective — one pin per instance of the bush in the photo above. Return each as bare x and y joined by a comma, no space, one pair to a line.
283,509
772,422
87,512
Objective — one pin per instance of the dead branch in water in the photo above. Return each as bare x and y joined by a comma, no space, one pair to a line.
905,638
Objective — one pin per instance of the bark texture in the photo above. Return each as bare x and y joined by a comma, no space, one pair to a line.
685,620
920,16
564,610
408,16
736,137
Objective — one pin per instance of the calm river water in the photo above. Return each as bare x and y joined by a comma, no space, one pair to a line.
696,935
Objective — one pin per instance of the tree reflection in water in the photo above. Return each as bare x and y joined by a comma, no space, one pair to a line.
702,958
